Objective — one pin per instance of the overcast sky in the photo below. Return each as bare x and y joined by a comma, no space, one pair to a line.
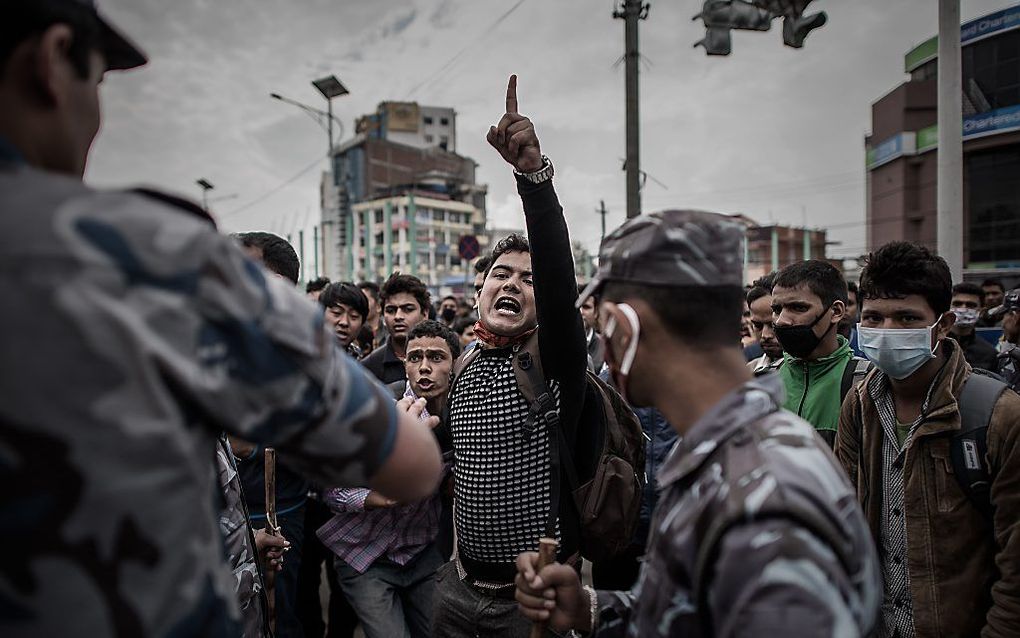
772,132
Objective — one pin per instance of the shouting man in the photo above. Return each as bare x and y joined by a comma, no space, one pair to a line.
502,463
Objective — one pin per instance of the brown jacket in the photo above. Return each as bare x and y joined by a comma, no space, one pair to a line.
964,579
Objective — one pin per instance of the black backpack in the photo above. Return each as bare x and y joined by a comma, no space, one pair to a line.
969,447
609,505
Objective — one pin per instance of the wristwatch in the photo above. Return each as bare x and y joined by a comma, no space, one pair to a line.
543,174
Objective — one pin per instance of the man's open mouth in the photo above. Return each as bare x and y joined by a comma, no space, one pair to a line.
507,306
425,384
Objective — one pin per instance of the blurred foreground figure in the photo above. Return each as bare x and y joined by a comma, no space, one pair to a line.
757,532
166,335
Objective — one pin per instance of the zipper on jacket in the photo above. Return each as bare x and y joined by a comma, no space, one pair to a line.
803,398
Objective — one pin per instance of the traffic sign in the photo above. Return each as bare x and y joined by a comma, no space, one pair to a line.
468,247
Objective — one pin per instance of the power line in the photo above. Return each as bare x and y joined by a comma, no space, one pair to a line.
481,36
273,191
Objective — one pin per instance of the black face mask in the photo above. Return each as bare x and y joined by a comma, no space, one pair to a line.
448,314
800,341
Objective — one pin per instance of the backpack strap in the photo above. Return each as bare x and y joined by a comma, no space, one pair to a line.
969,448
856,369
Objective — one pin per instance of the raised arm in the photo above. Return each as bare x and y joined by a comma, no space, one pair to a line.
561,331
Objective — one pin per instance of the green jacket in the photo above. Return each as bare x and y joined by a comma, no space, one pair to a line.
813,388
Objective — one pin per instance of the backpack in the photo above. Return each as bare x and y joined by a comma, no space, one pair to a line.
856,369
609,505
968,449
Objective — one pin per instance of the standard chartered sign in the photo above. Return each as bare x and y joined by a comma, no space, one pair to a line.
997,121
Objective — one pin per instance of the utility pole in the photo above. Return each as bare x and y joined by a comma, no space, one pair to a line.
631,11
601,210
949,188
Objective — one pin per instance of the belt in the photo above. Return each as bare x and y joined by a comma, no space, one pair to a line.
496,589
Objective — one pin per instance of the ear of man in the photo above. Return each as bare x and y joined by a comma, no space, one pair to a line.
50,68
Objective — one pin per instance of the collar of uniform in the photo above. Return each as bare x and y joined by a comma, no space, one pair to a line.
745,404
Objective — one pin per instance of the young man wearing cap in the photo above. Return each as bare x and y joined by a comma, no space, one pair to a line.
967,302
503,489
1009,354
933,451
167,334
756,532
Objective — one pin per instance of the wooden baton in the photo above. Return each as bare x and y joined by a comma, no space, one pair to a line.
546,555
273,529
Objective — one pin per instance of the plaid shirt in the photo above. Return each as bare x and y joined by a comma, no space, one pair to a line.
897,619
360,537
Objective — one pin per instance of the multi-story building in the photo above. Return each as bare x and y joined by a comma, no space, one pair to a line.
415,232
411,124
902,149
773,247
372,174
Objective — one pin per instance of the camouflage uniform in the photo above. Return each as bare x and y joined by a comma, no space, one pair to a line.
138,334
757,533
240,544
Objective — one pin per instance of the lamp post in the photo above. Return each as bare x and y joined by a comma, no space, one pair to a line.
206,186
330,87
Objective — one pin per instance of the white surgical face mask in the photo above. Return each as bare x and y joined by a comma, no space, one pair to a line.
966,317
620,375
898,352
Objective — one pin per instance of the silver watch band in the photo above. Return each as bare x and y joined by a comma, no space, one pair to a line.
543,174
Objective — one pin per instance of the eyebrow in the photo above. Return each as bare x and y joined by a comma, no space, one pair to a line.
524,273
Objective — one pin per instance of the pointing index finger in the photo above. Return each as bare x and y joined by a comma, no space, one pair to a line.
511,95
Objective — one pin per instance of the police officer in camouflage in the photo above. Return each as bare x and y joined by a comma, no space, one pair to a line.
757,531
138,334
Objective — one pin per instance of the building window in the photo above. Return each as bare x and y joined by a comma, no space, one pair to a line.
444,142
429,139
994,222
379,239
445,121
991,73
428,119
378,216
440,215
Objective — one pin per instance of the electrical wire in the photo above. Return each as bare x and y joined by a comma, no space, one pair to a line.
263,197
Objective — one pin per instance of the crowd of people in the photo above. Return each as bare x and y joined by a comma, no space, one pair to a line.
800,456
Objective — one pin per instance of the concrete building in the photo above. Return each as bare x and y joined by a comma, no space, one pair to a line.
410,124
774,247
901,151
422,186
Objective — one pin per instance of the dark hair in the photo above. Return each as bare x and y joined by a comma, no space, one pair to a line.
462,324
966,288
277,254
370,286
25,20
346,293
703,317
398,283
449,297
821,278
510,244
761,287
482,265
318,283
430,328
365,339
851,286
993,282
902,268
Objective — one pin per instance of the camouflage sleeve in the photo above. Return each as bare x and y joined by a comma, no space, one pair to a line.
1003,618
212,338
788,584
614,613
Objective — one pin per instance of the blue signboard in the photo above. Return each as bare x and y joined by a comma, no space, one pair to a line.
997,121
990,24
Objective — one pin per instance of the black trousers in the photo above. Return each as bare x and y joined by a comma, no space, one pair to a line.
341,617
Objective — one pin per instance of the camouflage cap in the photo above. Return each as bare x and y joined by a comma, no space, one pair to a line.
1010,302
672,248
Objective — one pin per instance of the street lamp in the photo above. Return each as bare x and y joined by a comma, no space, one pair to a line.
329,88
206,186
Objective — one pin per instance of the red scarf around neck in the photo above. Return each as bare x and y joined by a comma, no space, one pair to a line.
494,340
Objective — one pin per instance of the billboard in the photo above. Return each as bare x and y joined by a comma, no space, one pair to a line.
403,117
